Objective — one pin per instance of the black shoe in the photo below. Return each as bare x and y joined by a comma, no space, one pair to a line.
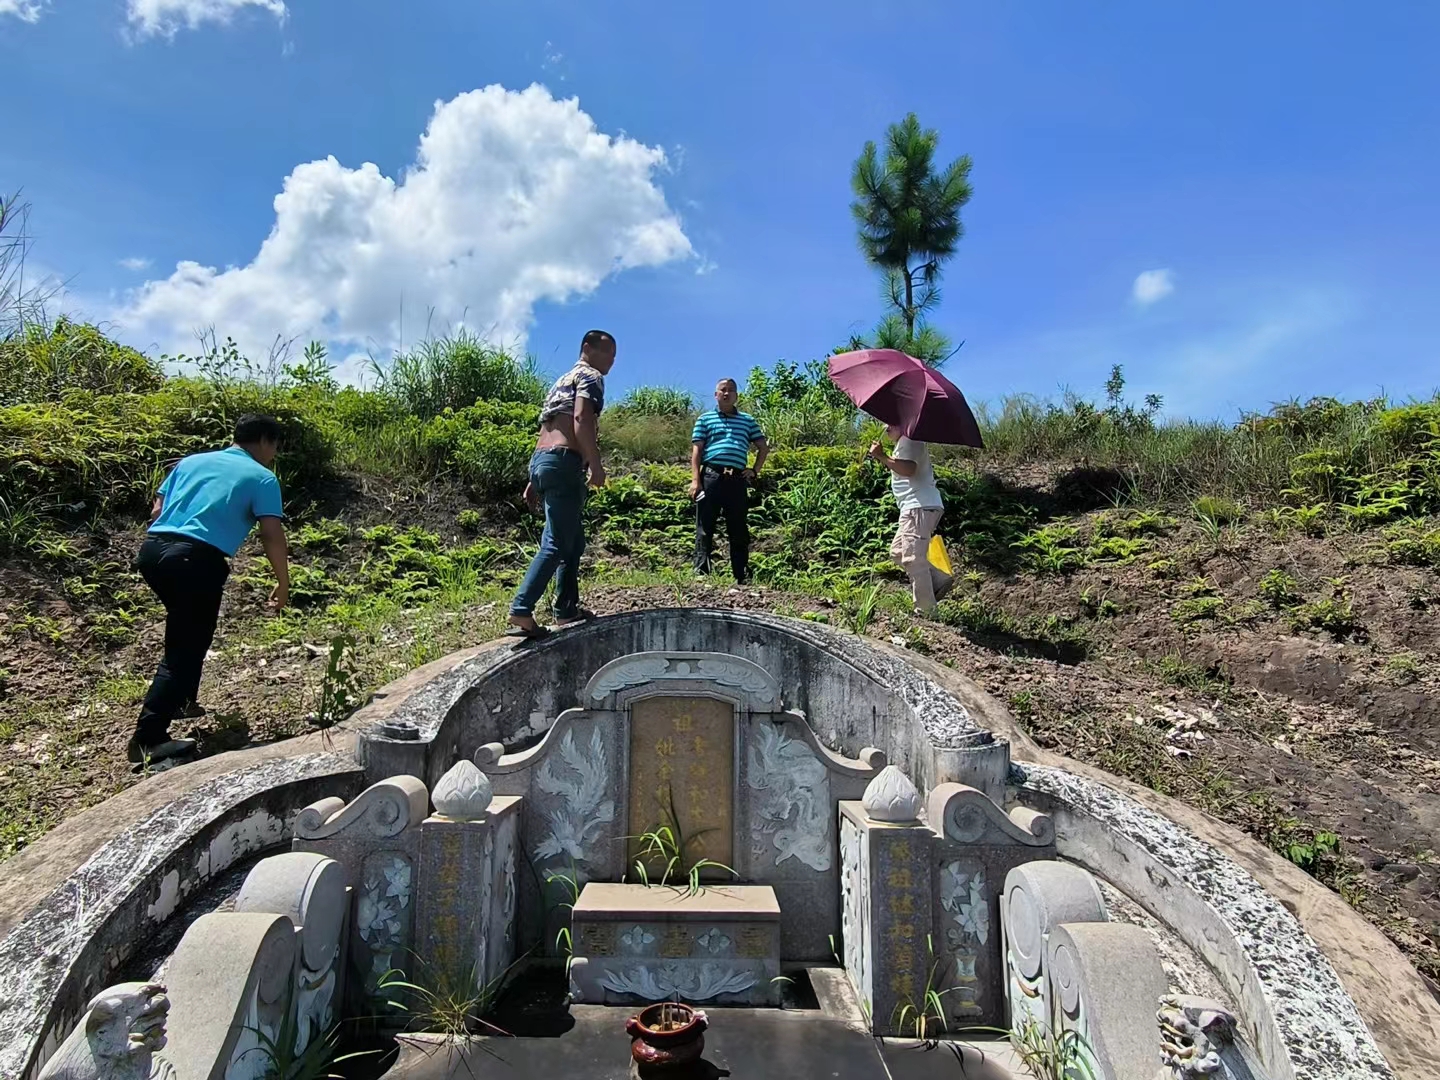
191,710
161,751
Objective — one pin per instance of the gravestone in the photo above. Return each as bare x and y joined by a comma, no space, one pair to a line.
682,774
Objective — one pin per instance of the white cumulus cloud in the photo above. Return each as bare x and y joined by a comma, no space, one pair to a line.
135,263
24,10
163,18
514,198
1153,285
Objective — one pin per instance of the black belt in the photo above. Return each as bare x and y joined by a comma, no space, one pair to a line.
725,470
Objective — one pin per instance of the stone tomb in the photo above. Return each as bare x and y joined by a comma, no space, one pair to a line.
634,943
700,743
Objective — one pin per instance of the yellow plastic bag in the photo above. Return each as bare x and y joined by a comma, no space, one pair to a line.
939,557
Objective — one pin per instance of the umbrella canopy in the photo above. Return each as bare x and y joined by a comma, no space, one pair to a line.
898,389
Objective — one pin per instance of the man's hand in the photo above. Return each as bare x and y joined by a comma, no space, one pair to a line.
597,475
750,475
278,598
532,498
694,488
876,452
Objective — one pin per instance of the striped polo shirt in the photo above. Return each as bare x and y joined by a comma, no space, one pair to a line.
726,438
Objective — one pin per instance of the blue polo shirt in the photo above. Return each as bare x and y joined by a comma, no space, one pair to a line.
726,438
218,497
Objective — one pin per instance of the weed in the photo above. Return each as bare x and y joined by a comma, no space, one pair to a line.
863,610
1022,702
326,536
1051,1056
924,1019
1277,589
1164,569
1051,549
1179,671
1117,549
1197,609
1333,614
1410,545
1403,668
339,693
445,1005
469,520
1216,512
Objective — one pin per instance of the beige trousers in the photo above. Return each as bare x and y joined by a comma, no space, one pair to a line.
911,549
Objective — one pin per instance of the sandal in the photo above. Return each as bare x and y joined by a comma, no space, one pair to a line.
528,633
580,615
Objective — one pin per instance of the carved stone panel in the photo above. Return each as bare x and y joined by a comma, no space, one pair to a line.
682,758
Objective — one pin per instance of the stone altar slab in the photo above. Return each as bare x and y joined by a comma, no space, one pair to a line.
634,943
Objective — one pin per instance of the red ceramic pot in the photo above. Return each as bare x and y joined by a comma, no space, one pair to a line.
673,1045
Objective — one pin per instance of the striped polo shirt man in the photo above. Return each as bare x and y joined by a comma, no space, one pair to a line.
720,475
726,438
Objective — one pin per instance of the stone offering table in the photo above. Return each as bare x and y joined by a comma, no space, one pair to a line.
637,943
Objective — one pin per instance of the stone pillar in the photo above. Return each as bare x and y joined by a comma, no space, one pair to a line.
376,838
465,901
886,899
977,845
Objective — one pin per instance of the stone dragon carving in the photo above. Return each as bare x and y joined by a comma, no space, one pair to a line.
122,1028
1197,1041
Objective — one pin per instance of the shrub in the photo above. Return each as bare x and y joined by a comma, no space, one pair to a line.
656,401
43,363
456,371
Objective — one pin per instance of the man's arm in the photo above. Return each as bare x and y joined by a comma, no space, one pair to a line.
156,508
762,451
587,432
272,539
697,458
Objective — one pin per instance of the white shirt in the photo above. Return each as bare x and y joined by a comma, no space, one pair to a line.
916,492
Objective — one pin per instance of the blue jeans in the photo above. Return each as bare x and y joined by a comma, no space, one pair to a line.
558,477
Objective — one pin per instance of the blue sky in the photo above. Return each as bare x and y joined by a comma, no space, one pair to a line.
1269,167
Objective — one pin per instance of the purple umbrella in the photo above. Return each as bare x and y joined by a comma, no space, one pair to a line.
898,389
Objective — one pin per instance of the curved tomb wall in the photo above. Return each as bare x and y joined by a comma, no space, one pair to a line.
1291,1004
852,694
72,945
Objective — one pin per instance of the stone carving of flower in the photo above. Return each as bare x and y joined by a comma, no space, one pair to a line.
397,874
973,913
713,941
963,895
637,938
375,917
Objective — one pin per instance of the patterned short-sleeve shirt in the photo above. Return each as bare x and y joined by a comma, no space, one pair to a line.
582,380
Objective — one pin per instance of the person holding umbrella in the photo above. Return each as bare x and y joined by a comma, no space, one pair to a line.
912,482
918,405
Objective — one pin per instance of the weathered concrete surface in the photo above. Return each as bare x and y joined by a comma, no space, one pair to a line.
853,694
1396,1005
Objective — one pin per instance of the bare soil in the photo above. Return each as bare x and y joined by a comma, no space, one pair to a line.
1290,734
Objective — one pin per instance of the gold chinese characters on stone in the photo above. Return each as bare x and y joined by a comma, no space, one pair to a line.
682,753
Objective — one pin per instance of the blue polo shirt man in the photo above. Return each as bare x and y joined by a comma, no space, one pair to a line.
720,477
203,512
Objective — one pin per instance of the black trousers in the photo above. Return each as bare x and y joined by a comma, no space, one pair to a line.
188,576
725,491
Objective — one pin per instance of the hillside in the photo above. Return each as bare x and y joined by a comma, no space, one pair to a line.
1243,617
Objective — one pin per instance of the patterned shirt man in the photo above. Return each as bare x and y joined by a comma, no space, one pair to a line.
582,380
